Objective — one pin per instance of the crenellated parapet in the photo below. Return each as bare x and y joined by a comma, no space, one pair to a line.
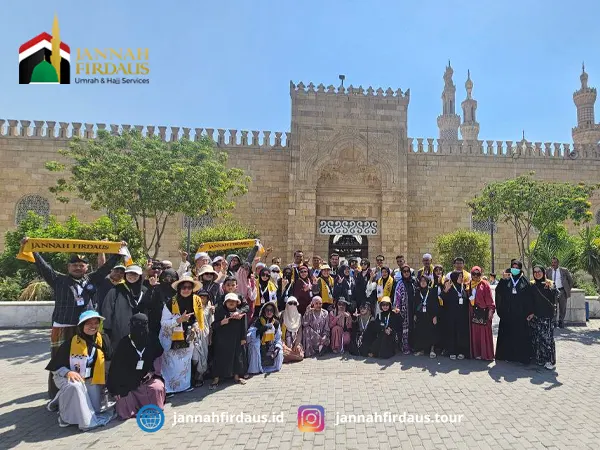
504,149
301,89
225,138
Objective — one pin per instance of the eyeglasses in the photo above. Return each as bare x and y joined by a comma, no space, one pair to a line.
272,311
406,271
304,271
537,271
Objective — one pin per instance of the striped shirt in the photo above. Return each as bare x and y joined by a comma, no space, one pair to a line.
66,310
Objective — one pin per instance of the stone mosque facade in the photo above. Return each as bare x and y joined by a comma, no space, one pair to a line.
346,177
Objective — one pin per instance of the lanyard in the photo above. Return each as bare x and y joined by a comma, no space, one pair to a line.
387,320
138,352
460,294
363,325
424,299
515,283
90,358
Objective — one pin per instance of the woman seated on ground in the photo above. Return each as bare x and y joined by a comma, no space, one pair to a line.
79,373
134,375
385,329
229,338
425,317
340,324
291,331
181,324
360,343
315,331
265,349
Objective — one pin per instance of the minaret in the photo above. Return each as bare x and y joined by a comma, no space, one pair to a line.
469,129
449,121
55,57
586,131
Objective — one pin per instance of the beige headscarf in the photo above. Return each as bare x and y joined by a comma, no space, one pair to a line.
290,316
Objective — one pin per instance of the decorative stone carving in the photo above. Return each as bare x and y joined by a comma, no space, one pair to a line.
360,227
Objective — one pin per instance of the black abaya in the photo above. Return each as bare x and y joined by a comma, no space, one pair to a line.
228,350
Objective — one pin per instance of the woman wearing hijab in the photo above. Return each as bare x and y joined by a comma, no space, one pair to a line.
181,325
122,302
438,283
361,341
340,324
208,277
291,331
456,316
315,329
265,347
545,295
384,329
229,339
481,313
302,289
201,349
346,287
324,287
134,377
153,301
233,264
384,284
425,309
402,299
515,307
79,369
284,288
266,290
362,280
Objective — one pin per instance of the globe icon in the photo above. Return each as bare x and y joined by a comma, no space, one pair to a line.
150,418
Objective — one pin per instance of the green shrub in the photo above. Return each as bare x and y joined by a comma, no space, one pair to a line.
583,280
473,246
10,288
224,230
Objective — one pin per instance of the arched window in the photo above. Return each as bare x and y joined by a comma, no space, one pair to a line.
35,203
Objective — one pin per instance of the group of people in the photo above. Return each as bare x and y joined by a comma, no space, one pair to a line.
139,335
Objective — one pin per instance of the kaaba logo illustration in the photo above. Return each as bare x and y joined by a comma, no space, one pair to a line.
45,59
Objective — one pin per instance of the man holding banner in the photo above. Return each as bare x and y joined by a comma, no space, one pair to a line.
74,291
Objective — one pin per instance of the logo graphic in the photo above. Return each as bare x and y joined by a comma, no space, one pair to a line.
311,418
150,418
45,59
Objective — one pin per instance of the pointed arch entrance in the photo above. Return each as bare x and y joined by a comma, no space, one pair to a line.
347,245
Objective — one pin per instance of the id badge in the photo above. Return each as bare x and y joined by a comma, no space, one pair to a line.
139,365
79,301
514,291
460,301
379,291
273,296
424,308
349,293
88,372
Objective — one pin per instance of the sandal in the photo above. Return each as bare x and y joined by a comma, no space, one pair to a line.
240,381
214,385
199,383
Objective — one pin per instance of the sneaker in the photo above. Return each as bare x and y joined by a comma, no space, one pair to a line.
452,356
62,423
419,353
432,355
478,357
461,356
190,389
549,366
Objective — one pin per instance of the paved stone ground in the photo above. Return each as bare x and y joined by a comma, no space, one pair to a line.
504,405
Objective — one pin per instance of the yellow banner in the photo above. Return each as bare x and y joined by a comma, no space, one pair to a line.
226,245
70,246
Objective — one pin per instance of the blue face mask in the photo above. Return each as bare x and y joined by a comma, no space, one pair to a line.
515,272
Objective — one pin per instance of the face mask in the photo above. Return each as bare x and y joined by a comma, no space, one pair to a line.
515,272
274,276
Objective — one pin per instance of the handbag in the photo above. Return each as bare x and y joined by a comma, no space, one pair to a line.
480,315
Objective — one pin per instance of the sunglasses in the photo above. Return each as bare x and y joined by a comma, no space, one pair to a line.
476,274
187,288
265,275
293,303
275,271
304,271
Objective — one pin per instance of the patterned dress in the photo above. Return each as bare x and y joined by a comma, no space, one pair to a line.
315,331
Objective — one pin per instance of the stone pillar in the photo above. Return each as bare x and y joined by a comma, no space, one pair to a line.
302,221
576,308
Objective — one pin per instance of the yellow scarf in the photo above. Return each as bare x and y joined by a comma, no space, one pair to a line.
387,289
198,312
271,288
79,356
326,296
266,337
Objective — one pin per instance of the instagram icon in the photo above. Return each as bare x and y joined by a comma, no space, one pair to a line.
311,418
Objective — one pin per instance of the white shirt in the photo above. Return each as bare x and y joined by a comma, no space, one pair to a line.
557,278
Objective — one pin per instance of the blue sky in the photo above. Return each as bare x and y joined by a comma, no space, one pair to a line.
227,64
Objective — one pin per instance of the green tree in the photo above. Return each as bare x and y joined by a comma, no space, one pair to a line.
531,206
224,230
473,246
35,226
149,179
589,252
556,241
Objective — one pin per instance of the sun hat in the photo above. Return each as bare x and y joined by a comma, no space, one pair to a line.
134,269
232,296
87,315
207,269
187,279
